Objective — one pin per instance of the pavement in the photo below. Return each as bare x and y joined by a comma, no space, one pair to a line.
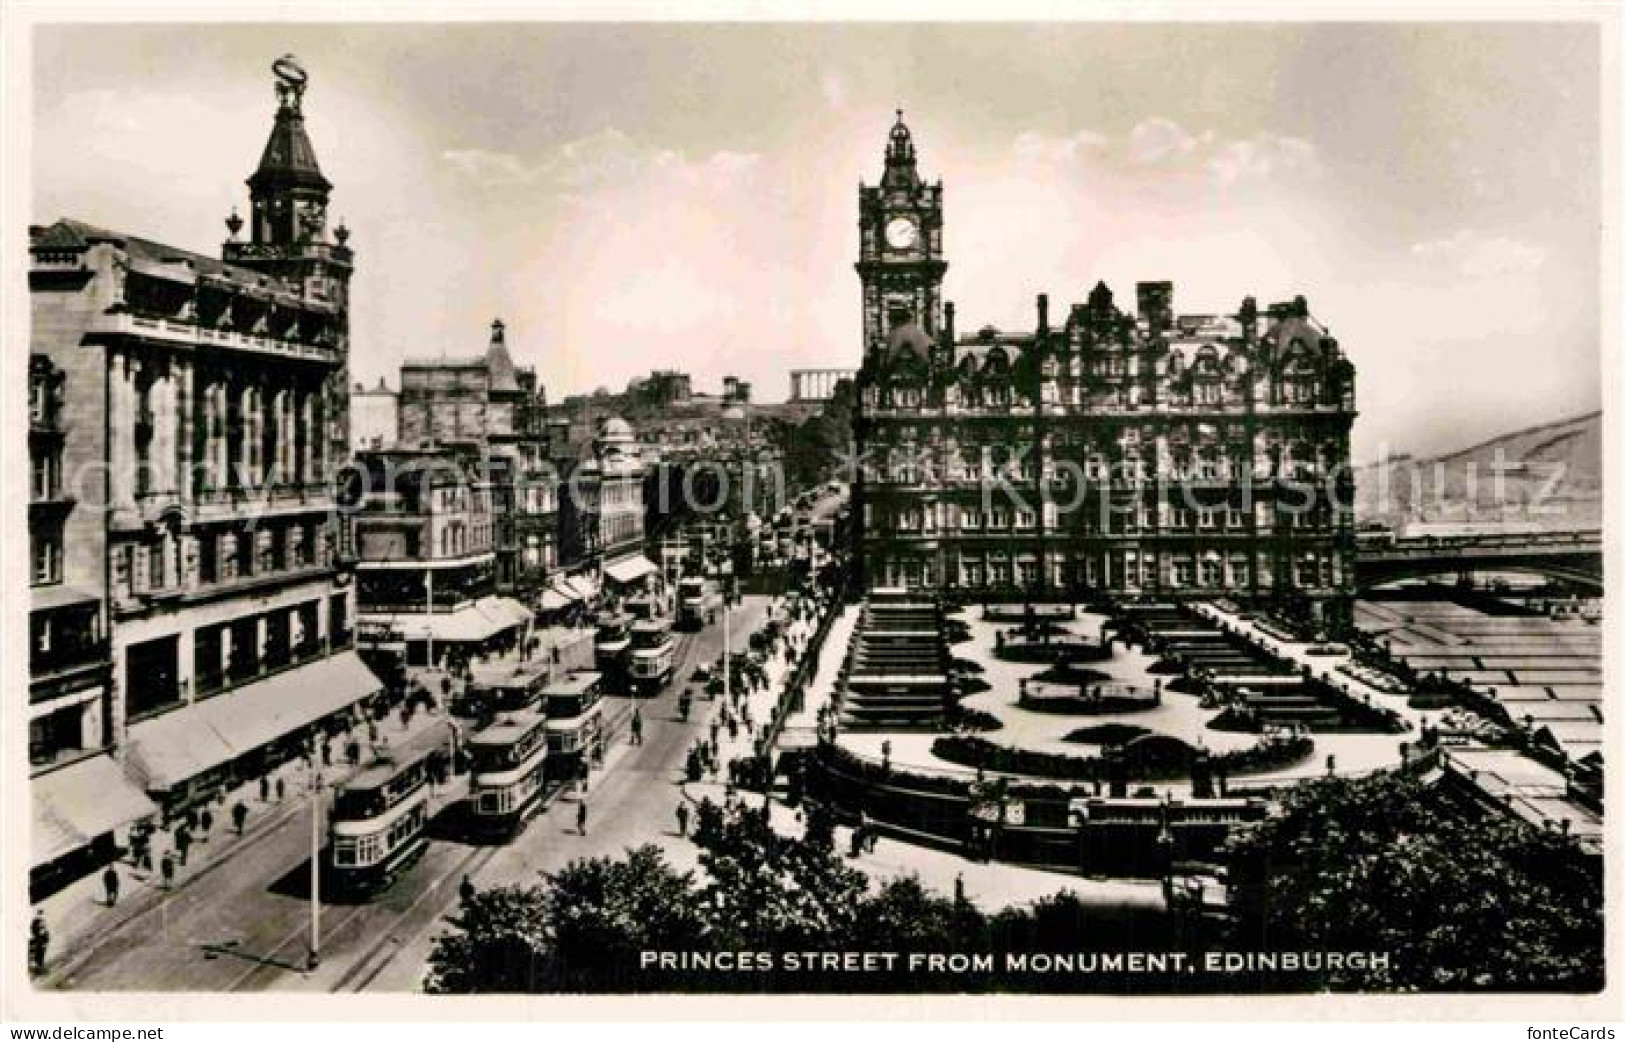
991,885
86,931
248,927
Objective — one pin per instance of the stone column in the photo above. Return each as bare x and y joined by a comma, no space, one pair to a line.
185,659
185,407
121,450
307,426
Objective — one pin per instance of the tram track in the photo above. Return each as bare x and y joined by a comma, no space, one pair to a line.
376,959
396,930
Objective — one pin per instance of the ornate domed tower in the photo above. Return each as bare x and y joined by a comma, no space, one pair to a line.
289,239
900,253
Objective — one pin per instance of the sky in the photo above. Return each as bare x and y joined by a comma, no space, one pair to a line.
636,196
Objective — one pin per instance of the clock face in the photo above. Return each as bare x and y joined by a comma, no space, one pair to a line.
901,233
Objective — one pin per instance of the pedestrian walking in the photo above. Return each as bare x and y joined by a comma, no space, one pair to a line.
581,817
682,819
39,942
110,885
327,753
183,843
239,816
281,789
206,819
637,727
166,867
140,848
466,890
265,788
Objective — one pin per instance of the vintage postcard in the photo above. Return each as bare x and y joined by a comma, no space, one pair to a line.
554,507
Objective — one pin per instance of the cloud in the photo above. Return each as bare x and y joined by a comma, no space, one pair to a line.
1163,144
1158,140
492,169
1033,147
1480,256
1261,158
607,159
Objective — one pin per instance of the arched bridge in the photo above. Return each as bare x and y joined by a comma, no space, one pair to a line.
1570,556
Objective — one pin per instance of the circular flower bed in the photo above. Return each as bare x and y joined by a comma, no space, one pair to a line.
1106,734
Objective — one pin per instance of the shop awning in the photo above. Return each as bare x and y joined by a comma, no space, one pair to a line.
585,588
630,569
43,598
473,622
555,601
179,745
75,804
562,588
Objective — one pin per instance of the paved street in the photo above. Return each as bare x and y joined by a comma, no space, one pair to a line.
243,923
631,802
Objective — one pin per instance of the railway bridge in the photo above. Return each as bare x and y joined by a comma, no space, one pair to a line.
1573,556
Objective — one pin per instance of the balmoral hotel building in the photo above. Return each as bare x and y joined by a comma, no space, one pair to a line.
1101,452
191,606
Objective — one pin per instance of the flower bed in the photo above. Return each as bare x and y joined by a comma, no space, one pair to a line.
1106,734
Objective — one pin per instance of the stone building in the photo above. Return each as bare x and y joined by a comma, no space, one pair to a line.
1102,451
601,508
190,575
374,417
488,409
426,576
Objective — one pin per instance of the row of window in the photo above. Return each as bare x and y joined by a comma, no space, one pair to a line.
1126,571
361,851
948,516
218,554
1207,392
229,653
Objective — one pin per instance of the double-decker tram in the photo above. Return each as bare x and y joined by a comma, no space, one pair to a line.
654,655
611,644
380,814
697,602
508,765
574,722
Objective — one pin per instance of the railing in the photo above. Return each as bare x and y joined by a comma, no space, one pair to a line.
794,693
126,324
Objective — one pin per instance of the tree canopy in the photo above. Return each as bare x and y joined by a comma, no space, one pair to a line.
1378,864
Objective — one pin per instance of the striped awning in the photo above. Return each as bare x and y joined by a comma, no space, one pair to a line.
76,804
182,744
630,569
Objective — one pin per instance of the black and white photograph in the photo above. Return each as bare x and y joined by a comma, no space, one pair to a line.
550,505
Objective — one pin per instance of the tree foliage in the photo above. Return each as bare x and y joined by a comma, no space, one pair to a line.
1376,864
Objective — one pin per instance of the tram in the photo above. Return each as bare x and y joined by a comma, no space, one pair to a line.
380,814
574,721
697,603
508,765
654,655
611,643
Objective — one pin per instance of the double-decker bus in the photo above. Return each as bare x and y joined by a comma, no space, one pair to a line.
508,764
697,602
611,643
654,655
380,814
574,721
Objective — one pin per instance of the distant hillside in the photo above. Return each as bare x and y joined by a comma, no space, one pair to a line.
1552,477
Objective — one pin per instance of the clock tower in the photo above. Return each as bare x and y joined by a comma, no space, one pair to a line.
900,253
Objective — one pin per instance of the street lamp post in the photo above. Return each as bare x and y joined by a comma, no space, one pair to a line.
727,647
313,958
